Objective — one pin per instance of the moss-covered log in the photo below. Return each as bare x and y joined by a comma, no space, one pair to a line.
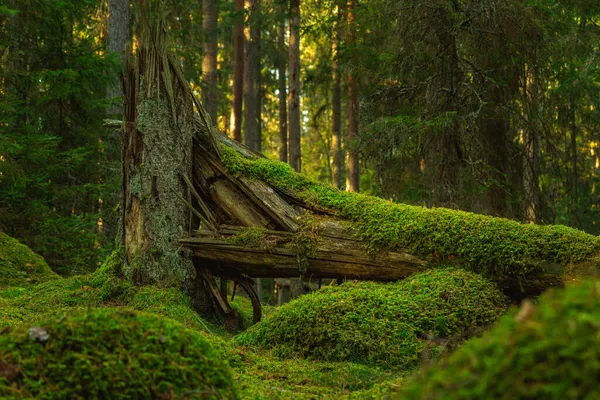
365,237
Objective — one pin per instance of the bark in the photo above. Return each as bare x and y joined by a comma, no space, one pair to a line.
281,66
574,172
338,255
209,61
250,77
336,104
353,173
157,154
118,42
238,71
492,131
295,128
531,153
443,178
256,32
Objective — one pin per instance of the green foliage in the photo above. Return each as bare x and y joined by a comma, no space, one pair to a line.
380,324
19,266
546,351
496,247
56,175
110,353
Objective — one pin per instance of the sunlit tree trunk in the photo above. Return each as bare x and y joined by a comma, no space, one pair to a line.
251,86
281,67
238,71
209,61
336,103
294,84
256,32
353,172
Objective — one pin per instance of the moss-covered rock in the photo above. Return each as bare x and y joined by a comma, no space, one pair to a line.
20,266
497,247
111,353
384,324
543,351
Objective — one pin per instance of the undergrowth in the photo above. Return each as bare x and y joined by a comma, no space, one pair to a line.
543,351
497,247
381,324
110,353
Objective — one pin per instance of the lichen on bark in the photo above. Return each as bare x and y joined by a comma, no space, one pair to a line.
157,218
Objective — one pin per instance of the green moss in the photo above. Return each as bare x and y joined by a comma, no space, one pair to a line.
20,266
253,237
498,247
171,303
111,353
546,351
263,376
381,324
105,287
243,306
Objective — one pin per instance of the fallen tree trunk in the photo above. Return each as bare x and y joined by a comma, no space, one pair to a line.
362,237
252,217
275,254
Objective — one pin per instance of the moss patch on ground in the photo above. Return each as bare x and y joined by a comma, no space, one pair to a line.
261,375
381,324
103,288
499,248
20,266
111,353
543,351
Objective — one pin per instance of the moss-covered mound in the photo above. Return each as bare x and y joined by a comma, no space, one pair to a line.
498,247
103,288
111,353
20,266
384,324
544,351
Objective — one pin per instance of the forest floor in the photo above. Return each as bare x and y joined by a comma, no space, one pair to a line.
358,340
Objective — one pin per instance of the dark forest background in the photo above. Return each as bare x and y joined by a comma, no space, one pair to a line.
489,106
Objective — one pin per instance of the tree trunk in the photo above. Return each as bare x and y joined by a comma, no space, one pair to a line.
256,38
118,41
531,150
252,111
353,172
157,155
336,103
249,76
444,178
281,67
160,126
295,129
492,131
574,170
238,71
209,61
